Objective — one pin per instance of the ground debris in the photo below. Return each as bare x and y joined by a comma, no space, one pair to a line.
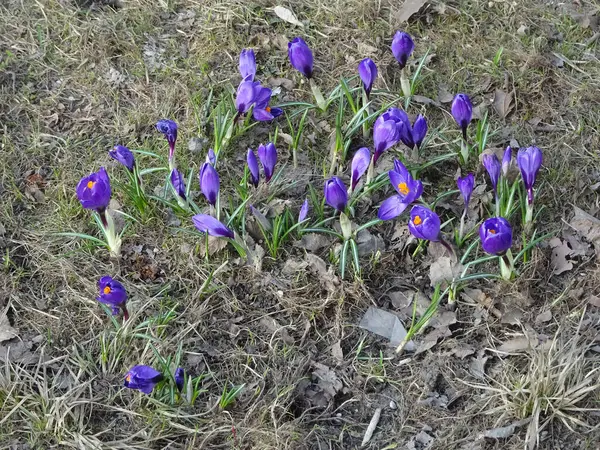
385,324
588,226
504,432
560,252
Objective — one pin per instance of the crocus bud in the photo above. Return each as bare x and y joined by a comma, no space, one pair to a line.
142,378
210,225
419,130
402,47
211,157
506,159
253,167
465,186
336,194
529,161
268,158
493,167
424,223
94,191
178,183
360,164
462,111
301,56
209,183
303,214
112,293
247,65
385,134
169,129
179,378
246,96
406,134
367,70
123,155
496,235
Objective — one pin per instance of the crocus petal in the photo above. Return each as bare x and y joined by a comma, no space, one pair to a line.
465,186
262,115
253,167
506,159
178,183
301,56
247,64
267,154
529,161
210,225
303,211
142,378
360,164
336,194
391,208
209,183
424,223
123,155
419,130
179,378
94,190
111,292
402,47
385,135
496,235
462,111
493,167
406,134
246,96
367,70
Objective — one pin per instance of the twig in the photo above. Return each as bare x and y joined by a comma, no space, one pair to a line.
371,427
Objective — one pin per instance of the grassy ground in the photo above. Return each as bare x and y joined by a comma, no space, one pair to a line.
78,77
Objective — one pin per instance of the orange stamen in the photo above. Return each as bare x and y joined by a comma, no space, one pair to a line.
403,188
90,184
128,377
493,231
107,290
417,220
268,109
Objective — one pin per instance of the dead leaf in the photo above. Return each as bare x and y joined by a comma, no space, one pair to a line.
444,96
387,325
273,327
516,345
432,338
313,242
401,299
292,266
426,100
594,301
477,365
215,245
6,331
444,270
560,252
369,243
287,15
512,316
336,352
588,226
408,9
463,350
285,83
546,316
504,432
443,319
327,380
503,103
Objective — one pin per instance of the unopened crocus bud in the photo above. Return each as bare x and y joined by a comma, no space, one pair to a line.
178,183
303,214
402,47
462,111
123,155
211,157
209,183
493,167
142,378
267,154
301,56
113,294
506,159
529,161
496,235
336,194
247,65
385,134
210,225
465,186
94,191
360,164
169,129
253,167
419,130
179,378
424,223
367,70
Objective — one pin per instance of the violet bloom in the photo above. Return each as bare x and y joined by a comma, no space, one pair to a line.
169,129
178,183
367,70
253,167
247,65
210,225
142,378
407,191
462,111
113,294
402,47
246,95
123,155
262,112
179,378
496,235
419,130
406,134
268,158
465,186
303,214
301,56
506,160
336,194
94,191
493,167
529,161
424,223
385,132
360,164
209,183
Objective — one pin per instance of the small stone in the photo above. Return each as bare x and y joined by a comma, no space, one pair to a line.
393,404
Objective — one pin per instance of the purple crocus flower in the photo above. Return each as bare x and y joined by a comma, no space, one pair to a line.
169,129
94,191
301,56
262,112
268,158
245,96
529,161
211,157
493,167
360,164
142,378
208,224
178,183
407,191
247,65
419,130
385,132
123,155
402,47
367,70
179,378
424,223
113,294
209,183
465,186
406,133
496,235
303,214
506,160
253,167
336,194
462,111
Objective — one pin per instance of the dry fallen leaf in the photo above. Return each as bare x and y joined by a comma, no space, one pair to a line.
6,331
444,270
594,301
504,432
516,345
385,324
546,316
588,226
503,103
477,365
287,15
336,352
560,252
408,9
